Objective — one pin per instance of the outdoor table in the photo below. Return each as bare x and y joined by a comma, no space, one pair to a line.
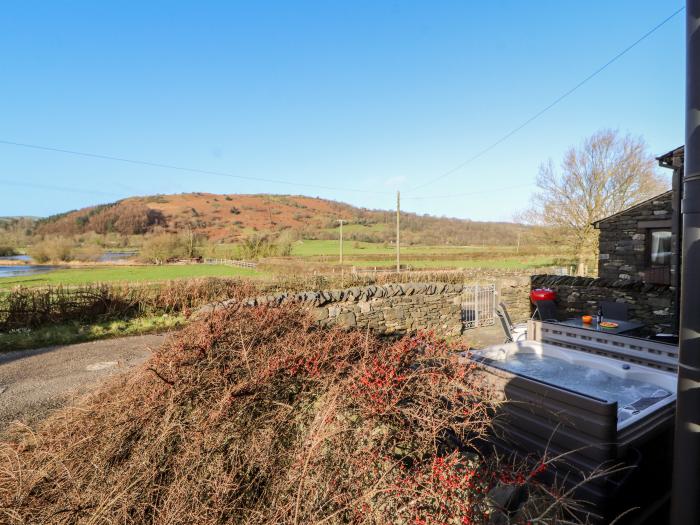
623,326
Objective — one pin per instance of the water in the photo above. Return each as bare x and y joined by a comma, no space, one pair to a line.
115,256
16,258
631,395
20,270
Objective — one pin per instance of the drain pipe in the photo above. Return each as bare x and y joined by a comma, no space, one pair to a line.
685,501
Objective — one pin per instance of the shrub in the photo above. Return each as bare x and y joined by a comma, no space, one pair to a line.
88,252
6,251
235,210
265,245
52,249
256,416
160,248
22,308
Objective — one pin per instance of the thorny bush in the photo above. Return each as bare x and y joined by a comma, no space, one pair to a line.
257,416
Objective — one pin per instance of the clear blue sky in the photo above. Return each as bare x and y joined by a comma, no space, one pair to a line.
365,94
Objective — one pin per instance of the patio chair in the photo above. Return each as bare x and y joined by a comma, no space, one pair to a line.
614,310
514,332
506,327
546,310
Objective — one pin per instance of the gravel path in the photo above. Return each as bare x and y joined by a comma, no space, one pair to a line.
35,382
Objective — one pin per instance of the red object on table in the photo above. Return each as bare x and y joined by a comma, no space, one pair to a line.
542,294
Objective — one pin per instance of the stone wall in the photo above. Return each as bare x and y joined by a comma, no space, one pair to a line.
392,309
648,303
515,293
623,240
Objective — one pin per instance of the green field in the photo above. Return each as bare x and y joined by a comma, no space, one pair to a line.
307,256
316,248
514,263
81,275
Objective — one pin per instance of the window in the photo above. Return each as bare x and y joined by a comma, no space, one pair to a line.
659,248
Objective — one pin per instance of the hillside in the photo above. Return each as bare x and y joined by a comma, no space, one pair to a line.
233,217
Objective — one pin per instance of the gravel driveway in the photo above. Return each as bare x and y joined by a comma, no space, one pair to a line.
34,382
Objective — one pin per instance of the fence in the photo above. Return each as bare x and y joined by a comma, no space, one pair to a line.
232,262
375,270
479,305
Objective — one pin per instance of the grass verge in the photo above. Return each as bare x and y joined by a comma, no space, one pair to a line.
124,273
74,332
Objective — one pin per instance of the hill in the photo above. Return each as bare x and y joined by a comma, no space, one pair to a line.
234,217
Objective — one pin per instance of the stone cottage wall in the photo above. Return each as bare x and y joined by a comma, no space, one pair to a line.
623,238
392,309
648,303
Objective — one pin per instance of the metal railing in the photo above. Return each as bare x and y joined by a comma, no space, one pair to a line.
479,305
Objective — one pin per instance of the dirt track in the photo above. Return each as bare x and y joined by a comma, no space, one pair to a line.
35,382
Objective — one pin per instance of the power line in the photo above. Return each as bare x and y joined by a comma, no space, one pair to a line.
553,103
56,188
472,193
196,170
334,188
182,168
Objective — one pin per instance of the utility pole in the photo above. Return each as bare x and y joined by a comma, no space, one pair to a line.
517,249
398,234
341,221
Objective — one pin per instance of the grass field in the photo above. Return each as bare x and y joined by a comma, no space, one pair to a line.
515,263
83,275
308,256
315,248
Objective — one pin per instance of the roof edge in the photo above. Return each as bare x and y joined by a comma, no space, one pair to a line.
650,199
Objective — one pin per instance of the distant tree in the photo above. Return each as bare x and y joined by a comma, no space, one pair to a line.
606,174
161,247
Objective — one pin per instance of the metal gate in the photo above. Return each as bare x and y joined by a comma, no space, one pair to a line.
479,305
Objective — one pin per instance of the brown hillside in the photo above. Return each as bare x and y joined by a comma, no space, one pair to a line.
216,216
233,217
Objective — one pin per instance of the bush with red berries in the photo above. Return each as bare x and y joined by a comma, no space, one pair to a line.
257,416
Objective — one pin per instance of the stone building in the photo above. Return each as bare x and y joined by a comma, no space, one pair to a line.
642,243
637,243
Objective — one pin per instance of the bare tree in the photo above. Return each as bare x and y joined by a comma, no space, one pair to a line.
606,174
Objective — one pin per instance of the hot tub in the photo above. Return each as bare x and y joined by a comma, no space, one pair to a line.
591,410
638,390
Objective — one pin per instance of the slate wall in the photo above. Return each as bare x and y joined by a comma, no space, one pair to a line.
623,239
648,303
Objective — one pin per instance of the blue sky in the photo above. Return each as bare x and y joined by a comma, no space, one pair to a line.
367,95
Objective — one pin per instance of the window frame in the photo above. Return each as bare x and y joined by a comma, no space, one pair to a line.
649,235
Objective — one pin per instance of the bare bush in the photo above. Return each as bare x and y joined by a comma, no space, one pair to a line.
59,249
264,245
162,247
256,416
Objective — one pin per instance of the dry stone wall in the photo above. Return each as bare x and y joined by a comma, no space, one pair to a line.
391,309
648,303
515,293
398,308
